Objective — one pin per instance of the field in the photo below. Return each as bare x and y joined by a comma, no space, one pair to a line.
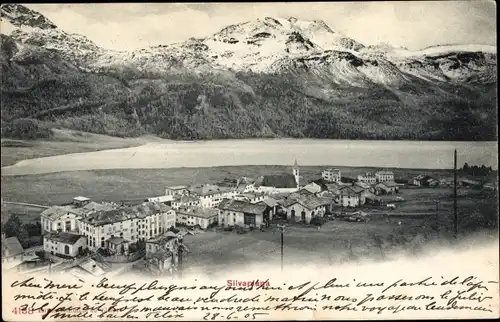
63,142
335,243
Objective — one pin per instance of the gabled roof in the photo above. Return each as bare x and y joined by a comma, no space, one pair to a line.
104,217
197,211
242,206
277,181
388,184
12,246
56,212
355,189
362,185
305,191
309,202
64,237
270,202
312,187
333,187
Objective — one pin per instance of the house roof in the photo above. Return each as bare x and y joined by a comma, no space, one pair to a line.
312,187
309,202
277,181
64,237
95,206
242,206
328,194
251,195
149,208
200,212
104,217
117,240
12,246
270,202
334,187
56,212
305,191
388,184
332,170
362,185
355,189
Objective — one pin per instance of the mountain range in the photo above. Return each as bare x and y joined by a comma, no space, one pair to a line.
271,77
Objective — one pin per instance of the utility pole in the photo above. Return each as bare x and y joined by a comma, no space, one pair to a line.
179,254
282,231
455,221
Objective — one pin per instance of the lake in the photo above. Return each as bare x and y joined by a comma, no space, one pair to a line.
168,154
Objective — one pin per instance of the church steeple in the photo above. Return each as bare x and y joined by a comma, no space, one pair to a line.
296,173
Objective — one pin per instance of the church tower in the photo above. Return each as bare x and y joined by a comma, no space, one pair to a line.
296,173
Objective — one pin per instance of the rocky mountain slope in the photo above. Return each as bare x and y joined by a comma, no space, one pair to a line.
265,78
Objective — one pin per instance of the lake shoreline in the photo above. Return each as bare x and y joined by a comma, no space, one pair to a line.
159,154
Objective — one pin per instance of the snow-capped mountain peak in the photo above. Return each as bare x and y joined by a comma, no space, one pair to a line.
21,16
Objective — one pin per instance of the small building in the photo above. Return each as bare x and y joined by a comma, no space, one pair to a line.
251,197
12,250
118,245
201,216
164,241
160,262
61,218
333,188
211,195
272,208
367,178
424,180
305,208
182,201
176,190
387,187
331,175
384,176
162,199
63,243
81,201
241,213
366,186
352,196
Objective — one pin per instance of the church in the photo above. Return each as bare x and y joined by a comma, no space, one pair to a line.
279,183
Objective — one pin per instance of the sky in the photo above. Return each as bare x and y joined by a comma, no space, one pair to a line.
411,24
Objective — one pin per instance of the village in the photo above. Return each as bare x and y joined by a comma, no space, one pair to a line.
153,237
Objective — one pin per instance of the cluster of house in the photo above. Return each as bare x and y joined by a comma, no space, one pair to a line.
85,225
